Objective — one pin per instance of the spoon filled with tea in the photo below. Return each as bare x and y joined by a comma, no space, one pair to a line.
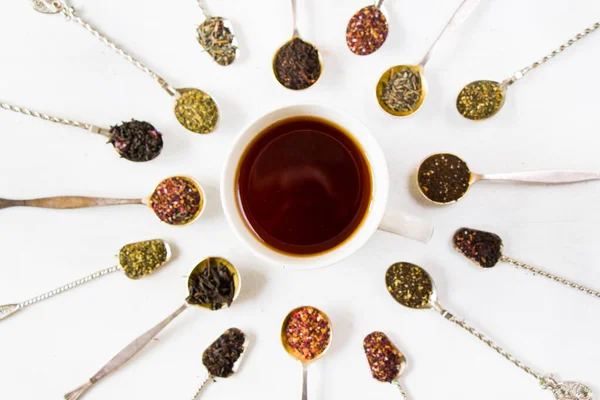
306,336
297,64
214,284
402,89
216,36
222,358
387,363
178,200
445,178
485,250
136,260
412,287
367,29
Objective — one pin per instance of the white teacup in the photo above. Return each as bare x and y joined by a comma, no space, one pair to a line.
377,217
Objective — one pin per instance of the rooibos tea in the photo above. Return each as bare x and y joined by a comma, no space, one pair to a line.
304,185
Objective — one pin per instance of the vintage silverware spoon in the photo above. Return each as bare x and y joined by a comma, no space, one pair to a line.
217,38
177,200
136,260
445,178
402,89
387,363
411,286
142,341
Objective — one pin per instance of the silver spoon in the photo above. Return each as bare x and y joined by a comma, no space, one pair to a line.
387,363
217,350
166,203
294,72
317,353
142,341
217,38
136,260
411,286
402,89
445,178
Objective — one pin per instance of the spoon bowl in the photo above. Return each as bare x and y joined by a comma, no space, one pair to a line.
237,281
175,213
481,100
401,90
411,286
307,79
444,178
286,345
367,29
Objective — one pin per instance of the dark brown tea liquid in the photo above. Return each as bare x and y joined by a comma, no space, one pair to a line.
304,186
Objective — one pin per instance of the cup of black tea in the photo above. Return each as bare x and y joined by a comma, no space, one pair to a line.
306,186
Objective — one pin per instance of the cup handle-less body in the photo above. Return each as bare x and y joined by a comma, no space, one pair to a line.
67,202
547,177
406,225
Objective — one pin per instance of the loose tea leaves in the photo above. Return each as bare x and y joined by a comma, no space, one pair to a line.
216,37
308,333
177,200
221,357
409,285
385,360
143,258
483,248
444,178
136,140
297,64
197,111
367,31
402,92
480,100
212,284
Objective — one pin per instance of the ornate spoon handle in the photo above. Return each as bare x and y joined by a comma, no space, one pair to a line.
206,380
125,355
553,277
549,177
67,202
10,309
400,389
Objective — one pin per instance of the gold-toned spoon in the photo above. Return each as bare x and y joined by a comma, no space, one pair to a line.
444,178
306,336
214,284
483,99
367,29
216,36
411,286
387,363
194,109
178,200
222,358
297,65
485,250
402,89
136,260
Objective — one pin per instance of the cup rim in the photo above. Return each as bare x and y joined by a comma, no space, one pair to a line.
379,176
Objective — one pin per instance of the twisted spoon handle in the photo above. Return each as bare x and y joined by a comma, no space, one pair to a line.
67,202
400,389
206,380
10,309
553,277
125,355
555,177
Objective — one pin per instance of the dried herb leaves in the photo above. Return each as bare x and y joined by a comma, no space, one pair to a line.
136,140
483,248
443,178
297,64
212,284
480,100
400,91
143,258
410,285
197,111
216,37
221,356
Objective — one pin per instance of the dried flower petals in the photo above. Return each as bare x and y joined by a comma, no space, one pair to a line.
480,100
483,248
444,178
297,64
212,284
143,258
197,111
409,284
222,355
307,333
400,91
177,200
367,31
216,38
136,140
385,360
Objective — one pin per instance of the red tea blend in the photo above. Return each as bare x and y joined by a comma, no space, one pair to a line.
384,359
367,31
177,200
308,333
483,248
